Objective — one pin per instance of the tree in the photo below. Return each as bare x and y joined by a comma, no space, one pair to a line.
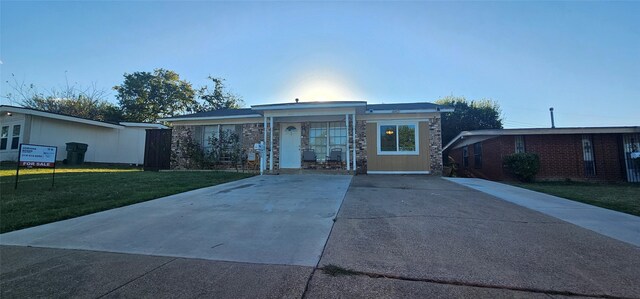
145,96
468,115
71,100
218,98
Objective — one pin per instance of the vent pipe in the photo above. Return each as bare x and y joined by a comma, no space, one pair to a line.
553,125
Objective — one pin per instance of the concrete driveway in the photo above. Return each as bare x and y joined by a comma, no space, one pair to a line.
266,219
414,235
394,237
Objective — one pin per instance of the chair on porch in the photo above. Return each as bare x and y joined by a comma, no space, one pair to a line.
309,156
335,158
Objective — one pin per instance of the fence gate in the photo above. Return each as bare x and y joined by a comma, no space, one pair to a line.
631,144
157,149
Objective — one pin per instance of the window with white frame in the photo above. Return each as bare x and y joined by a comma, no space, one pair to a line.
520,144
587,154
15,138
324,137
4,137
398,138
213,134
465,156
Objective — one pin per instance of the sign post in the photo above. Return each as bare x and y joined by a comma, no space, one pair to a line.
33,155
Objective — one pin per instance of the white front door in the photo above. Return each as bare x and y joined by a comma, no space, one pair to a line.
290,145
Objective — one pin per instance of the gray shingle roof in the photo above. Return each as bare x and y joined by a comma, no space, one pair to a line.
406,106
221,112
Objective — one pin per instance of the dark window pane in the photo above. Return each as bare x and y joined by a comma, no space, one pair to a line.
3,143
388,139
407,138
14,142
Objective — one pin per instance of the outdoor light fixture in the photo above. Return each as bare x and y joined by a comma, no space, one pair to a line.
389,132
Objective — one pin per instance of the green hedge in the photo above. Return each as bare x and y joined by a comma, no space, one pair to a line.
523,166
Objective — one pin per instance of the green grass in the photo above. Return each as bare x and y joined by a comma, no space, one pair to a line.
89,189
622,197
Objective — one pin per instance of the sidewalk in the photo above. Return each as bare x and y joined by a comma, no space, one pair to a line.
617,225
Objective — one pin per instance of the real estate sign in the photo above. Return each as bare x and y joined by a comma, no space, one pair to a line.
37,155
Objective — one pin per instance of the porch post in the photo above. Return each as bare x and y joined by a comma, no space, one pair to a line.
353,130
271,145
346,121
263,156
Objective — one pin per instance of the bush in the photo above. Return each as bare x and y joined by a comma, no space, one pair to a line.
523,166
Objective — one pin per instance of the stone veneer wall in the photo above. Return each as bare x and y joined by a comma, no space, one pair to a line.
435,146
178,159
361,146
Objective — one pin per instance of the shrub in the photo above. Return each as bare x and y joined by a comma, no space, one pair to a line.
524,166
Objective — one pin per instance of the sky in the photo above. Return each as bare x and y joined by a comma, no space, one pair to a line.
582,58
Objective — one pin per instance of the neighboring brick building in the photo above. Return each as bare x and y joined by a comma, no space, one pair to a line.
599,153
402,138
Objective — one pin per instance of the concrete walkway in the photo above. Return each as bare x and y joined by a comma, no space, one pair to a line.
282,219
617,225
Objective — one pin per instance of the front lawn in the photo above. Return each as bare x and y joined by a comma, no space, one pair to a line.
89,189
623,197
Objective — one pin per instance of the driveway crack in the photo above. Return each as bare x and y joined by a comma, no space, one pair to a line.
137,277
332,269
446,217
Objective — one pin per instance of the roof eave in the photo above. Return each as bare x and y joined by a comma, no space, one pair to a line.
175,119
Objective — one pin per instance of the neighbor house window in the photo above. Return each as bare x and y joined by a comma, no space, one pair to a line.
15,139
323,137
477,155
4,138
587,154
465,156
398,139
520,144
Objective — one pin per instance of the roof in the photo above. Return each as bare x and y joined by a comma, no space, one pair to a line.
257,110
66,117
216,114
307,105
408,107
468,137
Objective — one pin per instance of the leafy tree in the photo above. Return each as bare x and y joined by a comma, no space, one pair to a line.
218,98
145,96
72,100
468,115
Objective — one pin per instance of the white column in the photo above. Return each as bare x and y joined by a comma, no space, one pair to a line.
353,129
271,145
346,121
263,156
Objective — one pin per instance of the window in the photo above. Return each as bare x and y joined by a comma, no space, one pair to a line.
520,144
465,156
15,140
223,136
587,154
398,139
326,136
477,155
4,137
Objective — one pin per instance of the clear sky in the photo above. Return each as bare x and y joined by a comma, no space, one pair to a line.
582,58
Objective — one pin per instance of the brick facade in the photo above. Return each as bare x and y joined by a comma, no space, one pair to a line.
561,157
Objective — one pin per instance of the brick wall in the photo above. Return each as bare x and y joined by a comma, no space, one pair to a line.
560,157
435,146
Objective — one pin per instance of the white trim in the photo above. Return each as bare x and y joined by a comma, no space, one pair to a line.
176,119
397,123
59,117
399,172
346,127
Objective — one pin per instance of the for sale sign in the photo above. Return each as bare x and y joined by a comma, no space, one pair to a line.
32,155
